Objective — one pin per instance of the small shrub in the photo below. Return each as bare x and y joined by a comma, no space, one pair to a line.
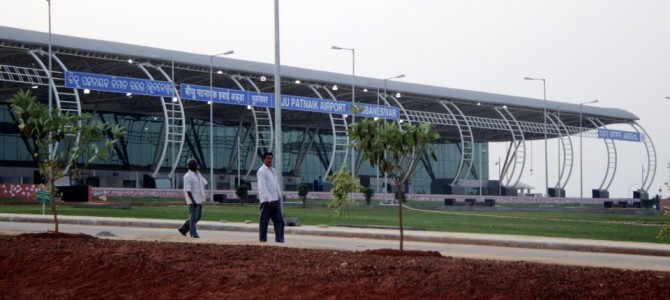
242,192
665,229
368,193
303,190
343,184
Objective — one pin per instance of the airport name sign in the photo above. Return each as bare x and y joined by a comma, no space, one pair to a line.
129,85
118,84
619,135
237,97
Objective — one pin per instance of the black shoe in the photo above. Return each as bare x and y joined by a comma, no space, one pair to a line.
182,232
195,236
281,242
262,241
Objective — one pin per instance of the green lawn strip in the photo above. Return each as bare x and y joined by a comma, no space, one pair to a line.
535,223
567,216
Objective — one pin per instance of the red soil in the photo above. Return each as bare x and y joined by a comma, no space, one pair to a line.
63,266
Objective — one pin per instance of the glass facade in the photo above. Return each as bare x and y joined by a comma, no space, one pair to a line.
144,141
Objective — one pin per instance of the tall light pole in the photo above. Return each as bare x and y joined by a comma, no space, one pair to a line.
238,161
377,168
581,152
173,179
390,78
481,177
642,179
499,178
279,138
353,99
50,78
546,163
211,120
385,95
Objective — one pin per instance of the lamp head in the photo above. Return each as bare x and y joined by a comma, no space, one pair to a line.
222,53
336,48
533,78
590,102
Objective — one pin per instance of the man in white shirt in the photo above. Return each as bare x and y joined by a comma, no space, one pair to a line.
269,196
194,191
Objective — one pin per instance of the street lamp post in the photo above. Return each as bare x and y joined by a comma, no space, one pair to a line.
546,164
499,178
377,168
51,147
238,161
353,99
50,78
481,177
385,95
173,179
387,79
279,142
211,120
642,179
581,152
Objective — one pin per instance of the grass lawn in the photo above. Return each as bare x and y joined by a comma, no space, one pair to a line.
587,223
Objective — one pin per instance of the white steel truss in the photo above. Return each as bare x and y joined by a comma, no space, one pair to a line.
611,157
467,140
651,156
516,153
565,143
339,127
66,99
174,123
263,129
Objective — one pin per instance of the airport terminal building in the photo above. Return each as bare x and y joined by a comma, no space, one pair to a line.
220,111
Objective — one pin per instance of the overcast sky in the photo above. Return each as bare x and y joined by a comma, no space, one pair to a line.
616,51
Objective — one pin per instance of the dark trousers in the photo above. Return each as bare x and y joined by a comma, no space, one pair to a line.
194,214
271,210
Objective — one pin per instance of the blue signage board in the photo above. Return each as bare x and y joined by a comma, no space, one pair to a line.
315,105
118,84
237,97
380,111
224,96
619,135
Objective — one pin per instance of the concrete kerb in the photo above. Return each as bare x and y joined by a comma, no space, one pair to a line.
371,233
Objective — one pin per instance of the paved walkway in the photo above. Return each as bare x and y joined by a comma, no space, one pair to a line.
517,241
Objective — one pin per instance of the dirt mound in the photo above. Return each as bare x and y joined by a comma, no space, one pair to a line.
396,252
37,266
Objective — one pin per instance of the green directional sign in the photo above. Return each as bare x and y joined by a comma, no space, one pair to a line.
43,196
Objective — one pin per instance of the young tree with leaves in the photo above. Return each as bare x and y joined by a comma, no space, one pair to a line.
344,183
395,148
46,127
665,229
